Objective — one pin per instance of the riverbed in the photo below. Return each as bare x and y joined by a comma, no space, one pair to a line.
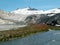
43,38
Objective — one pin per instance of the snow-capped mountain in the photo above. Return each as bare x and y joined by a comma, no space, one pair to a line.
27,15
34,15
52,12
27,11
19,15
56,10
4,15
30,15
32,11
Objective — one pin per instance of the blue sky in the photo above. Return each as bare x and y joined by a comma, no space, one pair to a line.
9,5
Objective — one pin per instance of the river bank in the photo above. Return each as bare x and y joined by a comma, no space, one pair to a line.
24,31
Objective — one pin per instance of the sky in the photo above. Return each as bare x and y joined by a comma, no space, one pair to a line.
10,5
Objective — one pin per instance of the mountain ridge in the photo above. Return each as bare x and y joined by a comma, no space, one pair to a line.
28,15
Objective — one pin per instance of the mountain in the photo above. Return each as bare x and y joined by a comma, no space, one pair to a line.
56,10
27,11
29,15
4,15
55,17
32,15
32,11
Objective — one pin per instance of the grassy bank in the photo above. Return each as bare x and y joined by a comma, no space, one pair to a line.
22,32
54,27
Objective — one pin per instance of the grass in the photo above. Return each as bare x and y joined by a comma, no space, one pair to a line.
25,31
54,27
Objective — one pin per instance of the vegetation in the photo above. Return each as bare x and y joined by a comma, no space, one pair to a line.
54,27
22,32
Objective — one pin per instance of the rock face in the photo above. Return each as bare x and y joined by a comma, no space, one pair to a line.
55,18
37,19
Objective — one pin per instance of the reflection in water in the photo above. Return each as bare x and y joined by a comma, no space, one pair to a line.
44,38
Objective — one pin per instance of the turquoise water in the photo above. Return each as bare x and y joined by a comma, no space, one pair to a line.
44,38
